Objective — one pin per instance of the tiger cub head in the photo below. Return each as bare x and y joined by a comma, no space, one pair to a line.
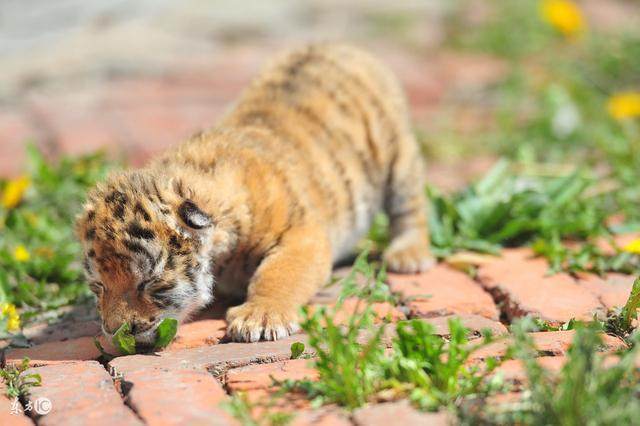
147,252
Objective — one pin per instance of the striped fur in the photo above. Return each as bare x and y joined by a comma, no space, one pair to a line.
265,202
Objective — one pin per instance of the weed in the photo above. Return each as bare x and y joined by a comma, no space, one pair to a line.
510,208
435,372
39,268
354,369
244,411
620,323
17,383
297,349
350,370
590,389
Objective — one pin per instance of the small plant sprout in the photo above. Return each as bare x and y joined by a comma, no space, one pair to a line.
17,383
125,342
297,349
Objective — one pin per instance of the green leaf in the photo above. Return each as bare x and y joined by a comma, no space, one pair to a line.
629,311
124,341
297,349
106,355
166,332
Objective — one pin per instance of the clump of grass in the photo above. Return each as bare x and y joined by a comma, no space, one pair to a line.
590,389
39,267
243,410
620,323
435,372
511,208
17,383
354,369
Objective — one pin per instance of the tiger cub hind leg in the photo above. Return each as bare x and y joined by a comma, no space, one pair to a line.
405,203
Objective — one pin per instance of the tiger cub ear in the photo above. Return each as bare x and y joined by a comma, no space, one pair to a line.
192,216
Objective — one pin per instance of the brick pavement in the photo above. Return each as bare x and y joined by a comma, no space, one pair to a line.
187,382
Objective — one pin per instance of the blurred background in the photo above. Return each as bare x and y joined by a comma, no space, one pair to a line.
136,76
551,87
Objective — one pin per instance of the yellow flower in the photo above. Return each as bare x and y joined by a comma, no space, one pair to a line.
21,254
624,105
633,247
563,15
14,191
13,319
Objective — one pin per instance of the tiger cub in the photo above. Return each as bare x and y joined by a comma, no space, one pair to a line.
263,204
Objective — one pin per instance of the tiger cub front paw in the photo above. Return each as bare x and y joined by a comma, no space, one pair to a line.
253,321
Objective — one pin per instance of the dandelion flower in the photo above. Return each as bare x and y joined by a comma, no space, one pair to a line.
9,312
624,105
21,254
563,15
14,192
633,247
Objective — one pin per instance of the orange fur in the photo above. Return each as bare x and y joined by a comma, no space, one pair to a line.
284,186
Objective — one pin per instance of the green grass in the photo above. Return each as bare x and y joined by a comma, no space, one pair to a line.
354,368
39,255
514,206
244,411
17,383
588,390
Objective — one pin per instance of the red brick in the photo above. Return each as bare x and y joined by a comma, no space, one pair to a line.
80,393
507,398
611,16
452,175
513,370
552,343
329,293
76,121
199,333
259,376
80,349
154,128
619,242
612,290
524,286
442,291
12,158
475,323
15,132
325,416
177,397
44,332
398,413
381,310
216,358
470,71
420,79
